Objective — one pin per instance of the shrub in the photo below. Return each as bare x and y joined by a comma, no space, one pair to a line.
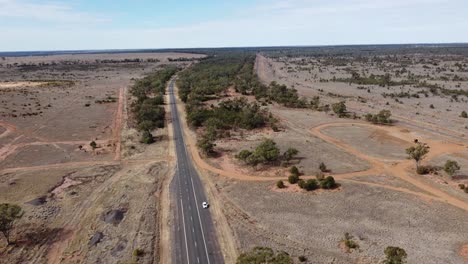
464,114
301,183
280,184
422,170
293,179
138,252
264,255
328,183
323,167
462,186
451,167
290,154
340,109
311,185
294,170
349,242
302,258
243,155
395,255
383,117
147,137
265,152
206,145
466,189
93,144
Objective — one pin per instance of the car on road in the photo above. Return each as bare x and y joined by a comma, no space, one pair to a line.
205,205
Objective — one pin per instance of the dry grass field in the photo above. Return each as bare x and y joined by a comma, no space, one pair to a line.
82,204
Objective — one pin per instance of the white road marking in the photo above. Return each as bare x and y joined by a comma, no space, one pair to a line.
185,231
201,225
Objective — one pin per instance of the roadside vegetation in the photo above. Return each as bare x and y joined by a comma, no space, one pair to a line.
264,255
210,80
148,107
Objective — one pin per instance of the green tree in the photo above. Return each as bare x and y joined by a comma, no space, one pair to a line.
9,213
265,152
290,154
340,109
417,152
451,167
206,145
395,255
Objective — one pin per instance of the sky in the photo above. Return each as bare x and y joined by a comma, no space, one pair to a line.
33,25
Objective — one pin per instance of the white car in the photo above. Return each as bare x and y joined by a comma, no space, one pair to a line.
205,205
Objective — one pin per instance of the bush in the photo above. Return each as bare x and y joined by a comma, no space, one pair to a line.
462,186
323,167
293,179
340,109
395,255
383,117
349,242
243,155
302,258
93,144
206,145
290,154
266,152
328,183
451,167
301,183
422,170
464,114
147,137
264,255
280,184
138,252
294,170
311,185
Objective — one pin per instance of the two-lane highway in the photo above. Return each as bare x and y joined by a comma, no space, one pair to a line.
195,239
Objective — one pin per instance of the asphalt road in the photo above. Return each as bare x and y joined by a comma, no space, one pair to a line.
195,239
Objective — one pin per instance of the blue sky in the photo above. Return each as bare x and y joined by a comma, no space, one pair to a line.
119,24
